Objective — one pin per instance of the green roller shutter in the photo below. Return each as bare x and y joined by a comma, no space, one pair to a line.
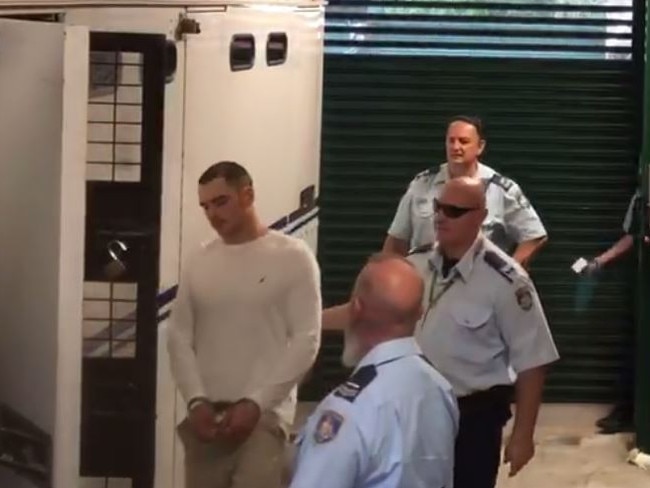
557,84
642,337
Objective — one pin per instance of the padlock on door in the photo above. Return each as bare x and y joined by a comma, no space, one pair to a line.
115,267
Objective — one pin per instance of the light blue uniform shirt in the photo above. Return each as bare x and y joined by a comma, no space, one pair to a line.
393,424
483,323
511,218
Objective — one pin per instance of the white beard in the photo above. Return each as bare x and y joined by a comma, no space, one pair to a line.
351,350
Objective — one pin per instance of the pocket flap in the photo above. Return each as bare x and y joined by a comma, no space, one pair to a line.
471,315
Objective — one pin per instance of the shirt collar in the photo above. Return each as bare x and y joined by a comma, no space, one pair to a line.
484,172
465,265
393,349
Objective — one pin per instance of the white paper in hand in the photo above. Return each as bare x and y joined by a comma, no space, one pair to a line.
579,265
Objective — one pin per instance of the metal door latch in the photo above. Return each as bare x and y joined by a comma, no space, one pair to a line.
186,25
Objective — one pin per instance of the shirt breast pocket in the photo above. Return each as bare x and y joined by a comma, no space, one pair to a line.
475,338
471,316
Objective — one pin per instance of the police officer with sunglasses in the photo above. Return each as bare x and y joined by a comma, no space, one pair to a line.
511,222
484,329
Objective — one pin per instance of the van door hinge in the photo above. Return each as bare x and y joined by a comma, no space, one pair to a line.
186,25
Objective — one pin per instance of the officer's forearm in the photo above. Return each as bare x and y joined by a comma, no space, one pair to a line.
528,398
336,318
527,249
393,245
623,245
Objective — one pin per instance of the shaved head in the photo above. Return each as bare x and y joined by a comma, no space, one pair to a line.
464,191
391,288
386,304
459,213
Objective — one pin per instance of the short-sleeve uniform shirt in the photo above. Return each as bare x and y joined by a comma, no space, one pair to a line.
483,322
511,218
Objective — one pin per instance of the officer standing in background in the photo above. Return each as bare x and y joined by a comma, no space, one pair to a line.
511,223
393,423
484,329
621,418
625,243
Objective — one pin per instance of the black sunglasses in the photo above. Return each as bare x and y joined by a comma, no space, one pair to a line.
451,211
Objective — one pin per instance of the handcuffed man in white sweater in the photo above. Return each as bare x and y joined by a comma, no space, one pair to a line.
244,330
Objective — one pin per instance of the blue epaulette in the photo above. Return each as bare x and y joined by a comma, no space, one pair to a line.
423,174
501,181
351,389
498,264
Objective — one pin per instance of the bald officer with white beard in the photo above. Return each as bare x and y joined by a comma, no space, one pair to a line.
393,423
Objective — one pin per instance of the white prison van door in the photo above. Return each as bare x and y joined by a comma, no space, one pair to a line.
43,100
252,96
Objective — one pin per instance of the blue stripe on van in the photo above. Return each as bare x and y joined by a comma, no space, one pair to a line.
167,296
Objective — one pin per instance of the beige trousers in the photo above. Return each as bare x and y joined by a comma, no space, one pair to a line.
257,463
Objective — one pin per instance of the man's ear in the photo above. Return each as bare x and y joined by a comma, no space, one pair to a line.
247,195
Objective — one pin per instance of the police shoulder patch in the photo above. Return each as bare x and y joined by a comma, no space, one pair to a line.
500,265
508,186
519,197
524,298
328,426
351,389
420,249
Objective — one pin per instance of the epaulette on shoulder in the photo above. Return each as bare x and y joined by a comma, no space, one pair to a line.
351,389
498,264
423,174
501,181
420,249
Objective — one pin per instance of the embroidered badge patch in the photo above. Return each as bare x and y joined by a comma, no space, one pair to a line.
524,298
328,426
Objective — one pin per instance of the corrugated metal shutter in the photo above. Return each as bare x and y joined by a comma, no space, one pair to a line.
557,84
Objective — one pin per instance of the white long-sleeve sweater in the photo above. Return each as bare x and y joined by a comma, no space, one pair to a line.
247,322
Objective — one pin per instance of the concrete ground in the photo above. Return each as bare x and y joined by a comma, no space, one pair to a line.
570,454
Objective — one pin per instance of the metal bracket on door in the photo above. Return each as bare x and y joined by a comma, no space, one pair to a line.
186,25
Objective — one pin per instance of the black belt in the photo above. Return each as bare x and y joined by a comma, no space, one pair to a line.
495,397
